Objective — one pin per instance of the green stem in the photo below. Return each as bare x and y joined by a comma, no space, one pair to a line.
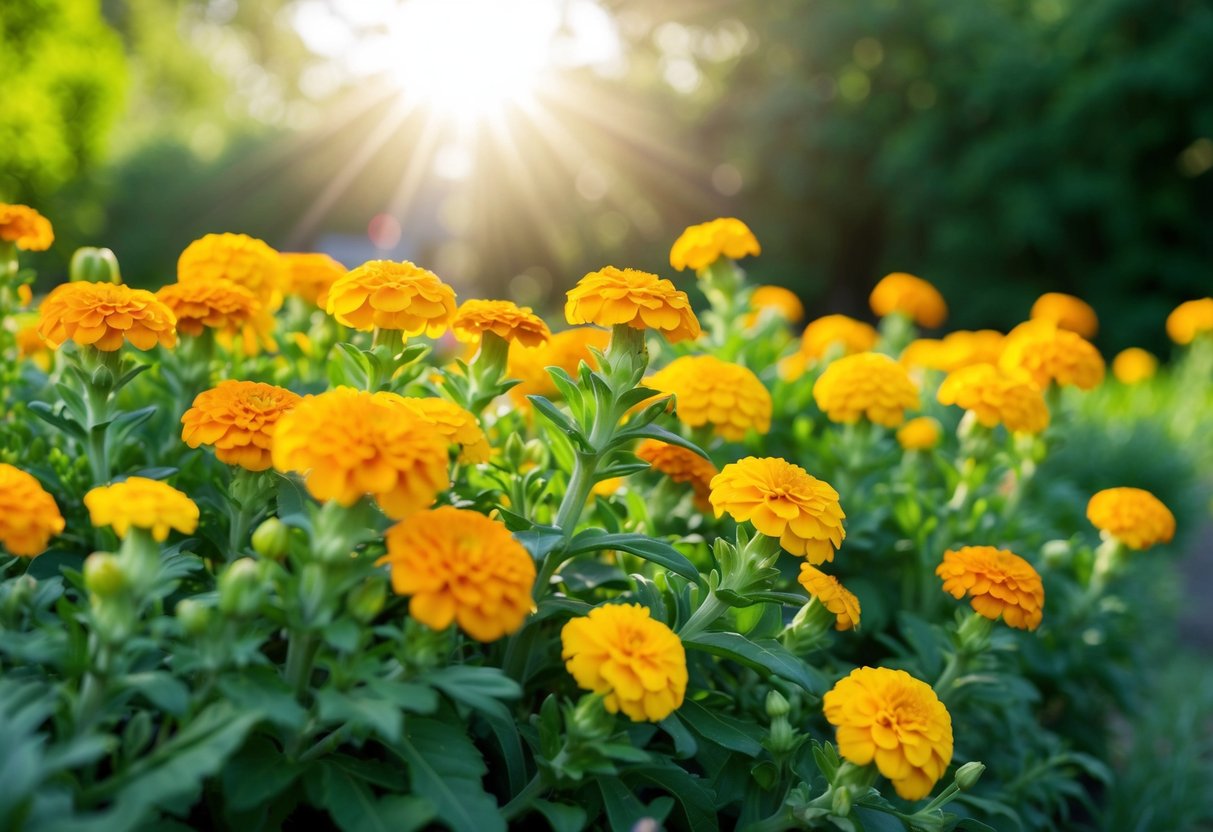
711,609
300,654
98,433
523,800
947,679
93,686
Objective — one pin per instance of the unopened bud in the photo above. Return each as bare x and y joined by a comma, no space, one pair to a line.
103,378
366,600
271,539
968,775
589,720
194,616
840,802
103,575
95,265
240,588
777,705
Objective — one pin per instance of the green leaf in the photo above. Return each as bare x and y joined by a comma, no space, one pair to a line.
262,690
623,808
447,769
655,431
539,540
480,688
563,817
697,800
354,808
409,696
257,774
585,575
357,708
684,743
766,656
726,731
163,690
656,551
562,422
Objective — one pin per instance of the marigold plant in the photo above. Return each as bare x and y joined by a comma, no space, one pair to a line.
1133,516
779,301
25,228
238,419
681,466
911,296
105,315
503,318
1134,365
141,503
867,385
244,260
954,351
699,246
310,275
458,425
223,306
394,296
1068,312
29,516
565,350
999,583
830,592
919,434
1190,320
613,297
995,398
1048,354
724,396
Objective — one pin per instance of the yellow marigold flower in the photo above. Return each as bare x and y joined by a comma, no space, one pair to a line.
140,503
244,260
231,310
389,295
866,385
702,245
782,500
565,350
998,583
349,443
996,398
962,348
638,299
832,594
639,664
1133,516
909,295
1134,365
501,317
608,487
836,330
1068,312
681,466
919,434
783,302
460,566
29,517
310,275
888,717
25,228
459,426
1189,320
238,419
30,344
726,396
1048,354
104,315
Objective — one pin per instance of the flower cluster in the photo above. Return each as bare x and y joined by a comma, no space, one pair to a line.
996,399
1133,516
701,245
395,296
628,297
238,419
502,318
106,315
141,503
238,258
999,583
830,592
223,306
681,466
719,394
25,228
911,296
867,385
29,516
1190,320
1048,354
310,275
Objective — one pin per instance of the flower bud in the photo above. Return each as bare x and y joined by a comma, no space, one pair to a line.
968,774
271,539
365,601
840,802
589,720
194,616
513,451
103,378
20,590
240,588
312,590
103,575
95,265
782,737
777,705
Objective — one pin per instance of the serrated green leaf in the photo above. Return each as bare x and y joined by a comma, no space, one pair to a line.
767,656
446,768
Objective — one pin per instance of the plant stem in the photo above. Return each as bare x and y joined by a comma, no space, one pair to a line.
708,611
300,653
522,801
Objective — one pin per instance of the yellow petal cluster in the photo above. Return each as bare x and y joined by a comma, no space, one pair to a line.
459,426
140,503
998,583
502,318
725,396
611,296
996,398
310,275
238,419
244,260
830,592
1189,320
699,246
1047,354
911,296
831,331
565,350
29,517
1133,516
1068,312
962,348
1134,365
866,385
231,310
395,296
782,302
681,466
919,434
104,315
24,227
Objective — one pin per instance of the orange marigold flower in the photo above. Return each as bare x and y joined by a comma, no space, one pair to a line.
104,315
310,275
782,500
866,385
1133,516
29,517
962,348
391,295
1048,354
780,301
25,228
996,398
460,566
919,434
726,396
638,299
140,503
888,717
231,310
565,350
636,662
459,426
1134,365
830,592
681,466
244,260
349,443
998,583
608,487
238,419
502,318
1189,320
833,331
909,295
1068,312
30,344
699,246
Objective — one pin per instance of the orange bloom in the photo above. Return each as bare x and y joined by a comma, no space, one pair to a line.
996,398
726,396
998,583
909,295
29,516
681,466
1134,365
865,385
783,302
459,426
1048,354
830,592
612,296
244,260
309,275
390,295
699,246
140,503
1189,320
920,434
502,318
238,418
955,350
231,310
25,228
1133,516
836,331
1068,312
104,315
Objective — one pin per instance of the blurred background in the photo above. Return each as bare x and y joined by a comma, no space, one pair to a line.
999,148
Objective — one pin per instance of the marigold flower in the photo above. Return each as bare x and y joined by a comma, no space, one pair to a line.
30,344
231,310
1189,320
830,592
832,331
29,517
25,228
104,315
783,302
565,350
1048,354
1068,312
998,583
726,396
638,663
140,503
866,385
919,434
962,348
460,566
501,317
238,419
244,260
699,246
608,487
612,296
888,717
782,500
681,466
348,443
459,426
996,398
1134,365
909,295
1133,516
389,295
310,275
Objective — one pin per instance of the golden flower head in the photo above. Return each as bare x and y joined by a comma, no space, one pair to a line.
459,426
866,385
996,398
1134,365
830,592
231,310
29,343
1189,320
681,466
998,583
702,245
909,295
780,301
25,228
888,717
460,566
348,443
834,331
389,295
1047,354
29,517
104,315
502,318
140,503
1067,311
636,662
565,350
238,419
612,296
962,348
1133,516
782,500
310,275
244,260
919,434
726,396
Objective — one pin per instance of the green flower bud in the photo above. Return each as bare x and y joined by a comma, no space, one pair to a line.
589,720
840,802
366,600
514,450
782,737
194,616
240,588
777,705
103,575
536,452
313,589
968,774
103,378
271,539
95,265
20,590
